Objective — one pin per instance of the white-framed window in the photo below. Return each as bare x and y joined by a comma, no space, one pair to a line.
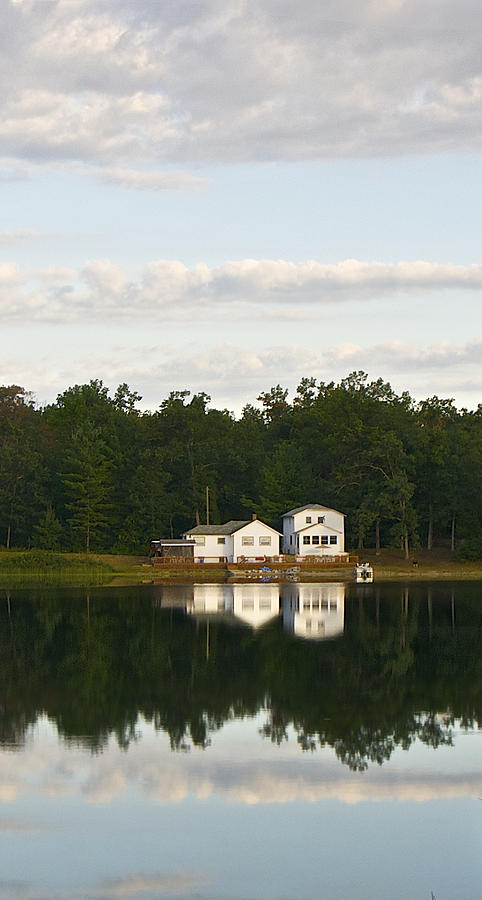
265,540
200,541
324,539
315,539
306,539
308,520
247,540
333,539
221,540
321,519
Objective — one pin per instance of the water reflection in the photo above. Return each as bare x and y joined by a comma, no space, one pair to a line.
311,611
314,611
125,677
384,666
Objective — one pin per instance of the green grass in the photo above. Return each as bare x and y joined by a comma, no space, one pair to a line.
43,565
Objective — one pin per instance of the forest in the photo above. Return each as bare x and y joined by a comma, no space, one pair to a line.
94,472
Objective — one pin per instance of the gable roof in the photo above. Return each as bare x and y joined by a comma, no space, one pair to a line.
227,528
292,512
320,525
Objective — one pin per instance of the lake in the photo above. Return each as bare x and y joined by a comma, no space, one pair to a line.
250,741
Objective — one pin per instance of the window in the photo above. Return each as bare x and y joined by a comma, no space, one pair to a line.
221,540
247,540
315,539
308,520
306,539
291,538
321,519
333,539
200,541
265,540
324,539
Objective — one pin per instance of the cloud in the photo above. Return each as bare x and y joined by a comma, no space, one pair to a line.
234,375
244,288
15,237
113,81
149,181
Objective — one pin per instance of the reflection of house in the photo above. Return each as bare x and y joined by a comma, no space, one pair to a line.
254,604
315,611
233,541
313,530
310,610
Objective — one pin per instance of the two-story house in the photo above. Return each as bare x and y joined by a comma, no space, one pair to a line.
313,530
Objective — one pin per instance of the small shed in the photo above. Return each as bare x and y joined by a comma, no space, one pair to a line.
179,550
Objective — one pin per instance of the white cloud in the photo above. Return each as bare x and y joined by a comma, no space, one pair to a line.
149,181
171,290
234,375
15,237
221,82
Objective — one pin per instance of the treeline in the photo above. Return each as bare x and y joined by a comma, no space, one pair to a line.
93,472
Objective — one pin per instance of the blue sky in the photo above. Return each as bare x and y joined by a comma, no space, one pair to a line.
224,196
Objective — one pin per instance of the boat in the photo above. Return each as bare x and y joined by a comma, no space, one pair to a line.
363,573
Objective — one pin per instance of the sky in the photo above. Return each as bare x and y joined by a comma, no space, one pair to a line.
224,195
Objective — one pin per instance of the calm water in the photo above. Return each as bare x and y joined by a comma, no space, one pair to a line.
242,741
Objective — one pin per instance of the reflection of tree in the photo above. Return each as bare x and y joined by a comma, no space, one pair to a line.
405,669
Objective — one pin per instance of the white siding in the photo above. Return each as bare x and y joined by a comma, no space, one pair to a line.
251,541
208,548
329,534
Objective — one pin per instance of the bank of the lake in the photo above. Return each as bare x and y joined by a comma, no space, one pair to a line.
29,566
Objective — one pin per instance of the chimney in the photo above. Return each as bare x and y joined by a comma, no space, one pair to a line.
253,517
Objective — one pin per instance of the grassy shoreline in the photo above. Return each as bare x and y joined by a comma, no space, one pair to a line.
27,567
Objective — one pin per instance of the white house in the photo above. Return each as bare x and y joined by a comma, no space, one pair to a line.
313,530
250,540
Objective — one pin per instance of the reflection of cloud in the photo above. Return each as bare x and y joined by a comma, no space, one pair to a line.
137,884
129,886
283,776
17,825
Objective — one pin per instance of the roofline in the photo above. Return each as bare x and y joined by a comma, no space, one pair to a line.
244,524
314,525
299,509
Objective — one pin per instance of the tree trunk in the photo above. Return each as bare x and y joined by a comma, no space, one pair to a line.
452,533
377,537
9,536
406,545
430,527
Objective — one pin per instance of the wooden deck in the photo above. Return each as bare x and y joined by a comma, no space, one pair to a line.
278,563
